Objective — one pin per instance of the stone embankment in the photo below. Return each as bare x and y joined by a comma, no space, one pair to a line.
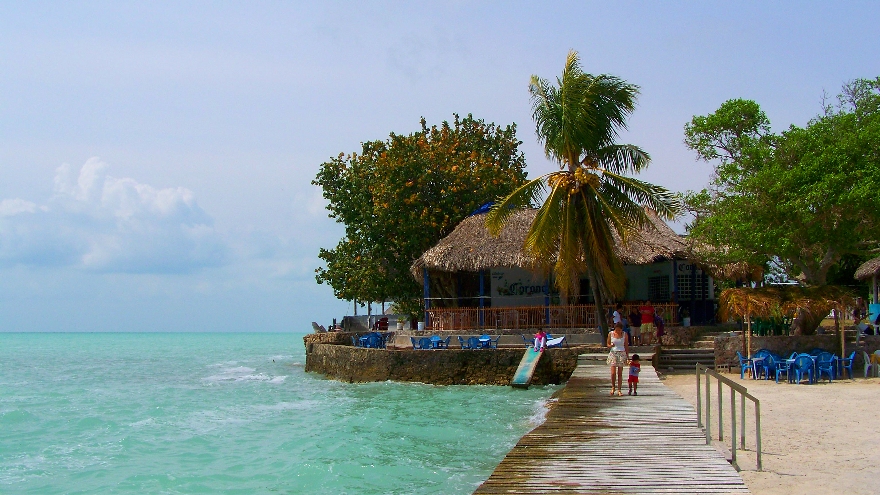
332,355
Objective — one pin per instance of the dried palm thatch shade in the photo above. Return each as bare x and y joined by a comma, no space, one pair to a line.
470,248
704,256
868,269
767,302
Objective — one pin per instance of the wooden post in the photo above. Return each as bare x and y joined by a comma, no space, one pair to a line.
427,291
840,333
742,423
749,336
482,293
699,405
874,289
721,414
733,428
758,433
708,411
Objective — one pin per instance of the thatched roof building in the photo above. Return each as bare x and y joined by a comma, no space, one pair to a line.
471,248
869,269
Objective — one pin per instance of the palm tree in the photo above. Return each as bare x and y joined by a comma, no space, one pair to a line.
590,196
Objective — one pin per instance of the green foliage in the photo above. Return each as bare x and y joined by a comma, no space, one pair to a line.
579,121
400,196
806,197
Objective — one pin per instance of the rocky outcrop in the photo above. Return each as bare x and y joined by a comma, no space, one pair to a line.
440,367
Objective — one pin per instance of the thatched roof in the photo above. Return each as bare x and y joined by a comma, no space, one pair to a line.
868,269
772,301
470,247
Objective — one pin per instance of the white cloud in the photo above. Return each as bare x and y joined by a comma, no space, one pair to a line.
98,222
11,207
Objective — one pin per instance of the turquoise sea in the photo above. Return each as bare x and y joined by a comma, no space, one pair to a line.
160,413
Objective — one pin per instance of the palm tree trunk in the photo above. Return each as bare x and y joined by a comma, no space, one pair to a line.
600,308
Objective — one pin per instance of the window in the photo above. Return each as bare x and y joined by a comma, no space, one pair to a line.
686,292
658,288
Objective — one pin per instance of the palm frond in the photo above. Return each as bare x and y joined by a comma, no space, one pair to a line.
621,158
526,195
653,196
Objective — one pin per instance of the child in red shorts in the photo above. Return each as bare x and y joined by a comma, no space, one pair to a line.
633,381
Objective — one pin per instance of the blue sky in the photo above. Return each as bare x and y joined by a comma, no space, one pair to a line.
156,158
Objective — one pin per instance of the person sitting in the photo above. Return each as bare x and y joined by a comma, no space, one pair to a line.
540,340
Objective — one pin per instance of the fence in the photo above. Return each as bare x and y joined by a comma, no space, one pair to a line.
515,318
734,389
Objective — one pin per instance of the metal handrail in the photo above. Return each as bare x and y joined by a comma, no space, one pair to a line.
744,394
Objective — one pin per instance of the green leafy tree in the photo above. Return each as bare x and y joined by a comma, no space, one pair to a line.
400,196
805,198
591,197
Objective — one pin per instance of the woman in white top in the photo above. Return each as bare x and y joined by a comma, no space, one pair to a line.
618,357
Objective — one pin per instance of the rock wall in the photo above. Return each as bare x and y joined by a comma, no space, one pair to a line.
726,346
440,367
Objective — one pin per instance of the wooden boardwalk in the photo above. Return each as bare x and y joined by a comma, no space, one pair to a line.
595,444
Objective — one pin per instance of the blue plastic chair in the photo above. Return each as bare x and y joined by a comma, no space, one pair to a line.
474,343
769,365
803,366
825,364
415,342
782,367
425,343
462,342
847,364
744,364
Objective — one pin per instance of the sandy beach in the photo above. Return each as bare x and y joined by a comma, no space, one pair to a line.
817,439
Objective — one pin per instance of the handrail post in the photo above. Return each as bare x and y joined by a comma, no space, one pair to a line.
699,405
708,411
720,414
758,432
733,428
742,417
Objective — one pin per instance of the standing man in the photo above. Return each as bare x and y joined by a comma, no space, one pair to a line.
647,312
635,323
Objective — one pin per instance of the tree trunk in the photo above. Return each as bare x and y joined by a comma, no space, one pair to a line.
600,309
805,323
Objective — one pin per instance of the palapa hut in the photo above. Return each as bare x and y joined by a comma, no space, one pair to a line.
870,270
474,280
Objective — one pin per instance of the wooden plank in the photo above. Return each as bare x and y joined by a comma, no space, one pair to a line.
592,443
523,376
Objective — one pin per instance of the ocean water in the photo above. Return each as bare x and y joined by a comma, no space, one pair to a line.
119,413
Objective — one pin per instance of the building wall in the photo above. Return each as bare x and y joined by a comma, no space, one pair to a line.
656,281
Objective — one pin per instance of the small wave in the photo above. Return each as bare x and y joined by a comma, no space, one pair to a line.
143,422
225,363
233,377
539,414
16,416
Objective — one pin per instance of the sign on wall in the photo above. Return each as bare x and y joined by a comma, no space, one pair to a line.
517,287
